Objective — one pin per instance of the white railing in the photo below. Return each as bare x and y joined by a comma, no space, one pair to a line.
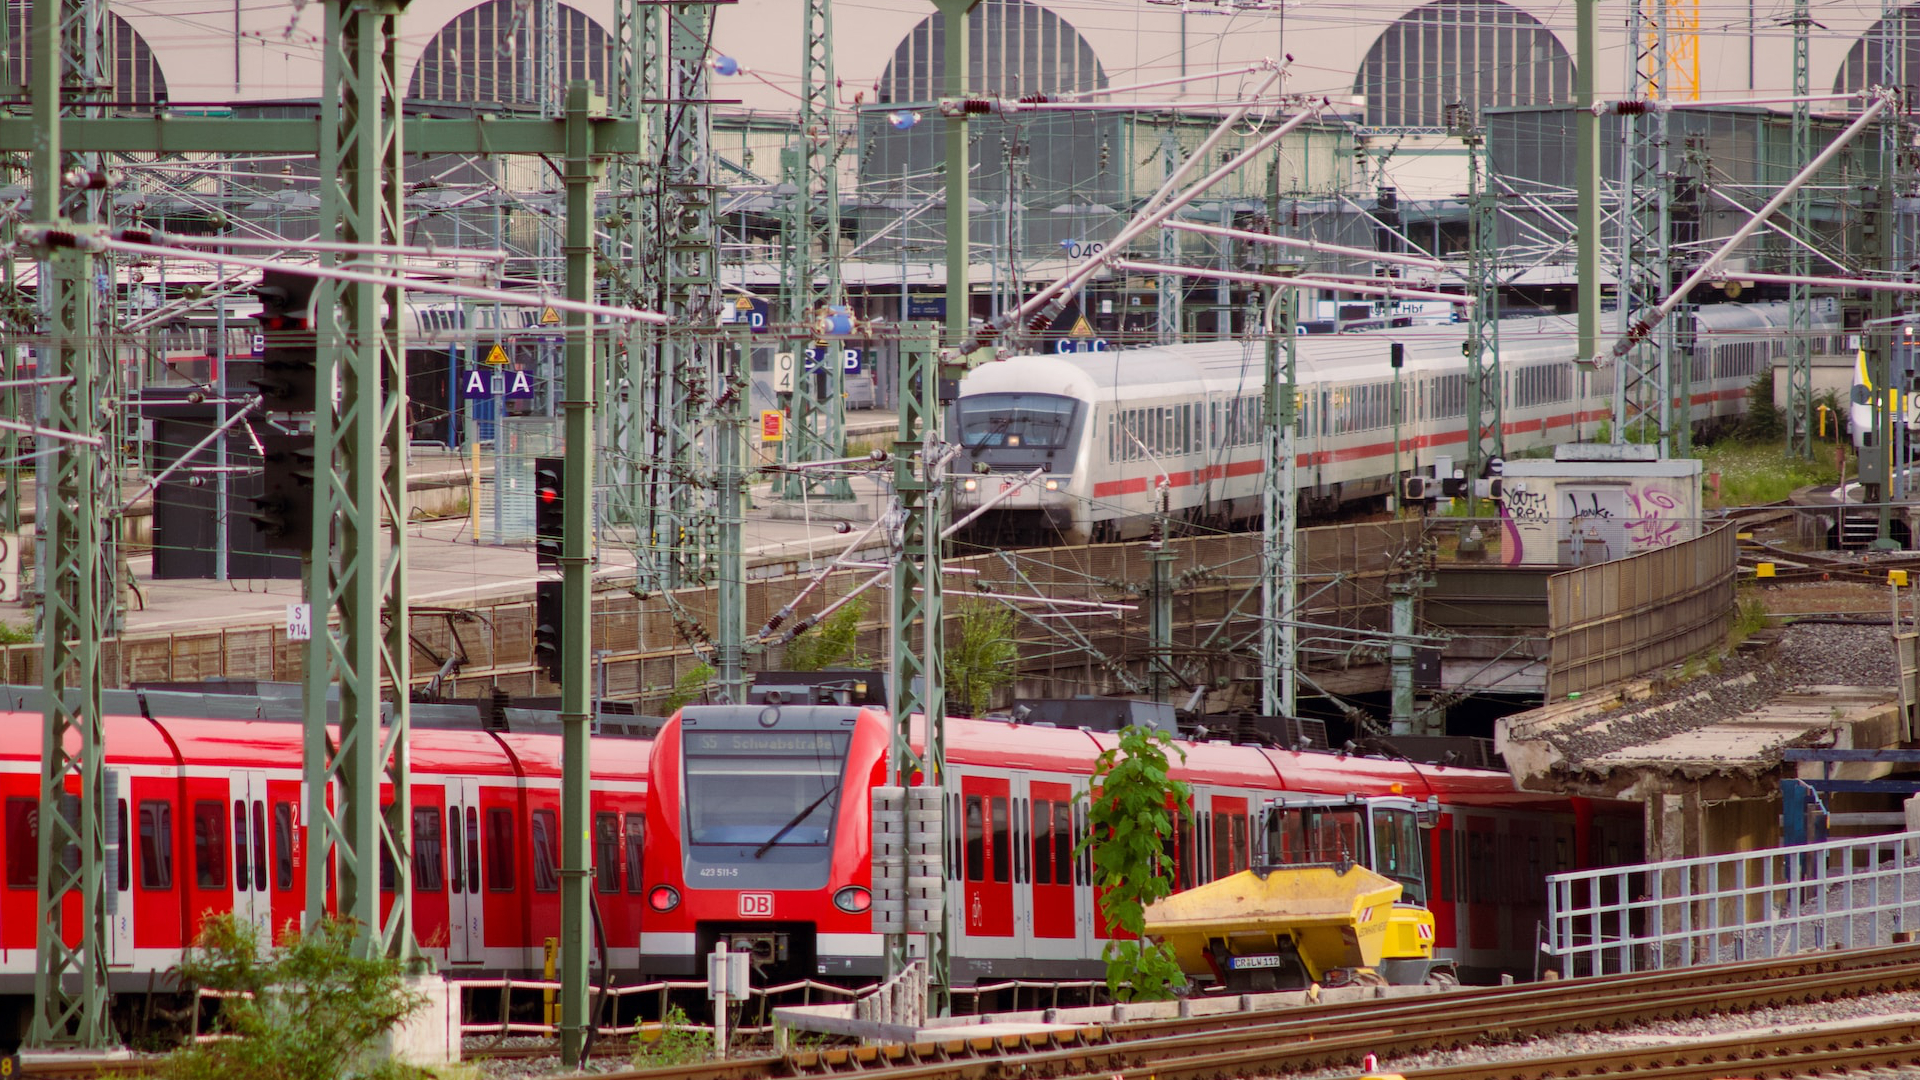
1747,905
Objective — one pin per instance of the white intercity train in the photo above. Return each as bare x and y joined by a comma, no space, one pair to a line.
1107,428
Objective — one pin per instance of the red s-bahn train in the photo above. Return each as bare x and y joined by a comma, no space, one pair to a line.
759,820
205,817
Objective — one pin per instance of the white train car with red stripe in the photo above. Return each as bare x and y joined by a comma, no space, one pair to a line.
1105,429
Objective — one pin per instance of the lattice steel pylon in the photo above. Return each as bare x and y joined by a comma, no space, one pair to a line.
680,531
639,49
1169,288
1643,399
1486,438
360,507
68,49
916,677
1800,405
811,233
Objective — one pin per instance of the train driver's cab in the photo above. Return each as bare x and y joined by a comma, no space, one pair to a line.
1382,834
1005,437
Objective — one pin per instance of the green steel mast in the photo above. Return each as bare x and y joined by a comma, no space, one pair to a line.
70,981
812,236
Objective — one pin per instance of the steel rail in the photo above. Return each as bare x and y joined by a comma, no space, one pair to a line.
1341,1034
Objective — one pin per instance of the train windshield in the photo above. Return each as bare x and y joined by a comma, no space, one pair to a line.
1005,421
764,789
1309,835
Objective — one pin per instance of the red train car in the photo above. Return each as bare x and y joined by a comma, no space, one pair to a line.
759,834
205,818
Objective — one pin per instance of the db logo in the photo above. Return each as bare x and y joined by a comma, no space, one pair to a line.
756,905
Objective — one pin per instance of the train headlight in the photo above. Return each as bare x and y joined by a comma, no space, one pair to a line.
969,484
853,900
1053,485
663,898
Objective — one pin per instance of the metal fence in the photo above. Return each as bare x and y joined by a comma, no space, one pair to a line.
1747,905
1614,620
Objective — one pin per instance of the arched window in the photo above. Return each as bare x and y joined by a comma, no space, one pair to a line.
1888,54
1475,53
493,54
1022,164
133,74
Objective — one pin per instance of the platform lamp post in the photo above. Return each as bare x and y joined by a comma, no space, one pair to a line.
954,61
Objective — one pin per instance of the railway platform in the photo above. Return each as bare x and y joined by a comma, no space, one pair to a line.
446,566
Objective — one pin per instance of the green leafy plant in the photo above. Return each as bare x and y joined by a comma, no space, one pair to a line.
11,634
674,1042
984,658
307,1009
832,643
690,687
1764,420
1135,808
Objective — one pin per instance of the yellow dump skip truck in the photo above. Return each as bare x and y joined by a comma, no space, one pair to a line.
1337,895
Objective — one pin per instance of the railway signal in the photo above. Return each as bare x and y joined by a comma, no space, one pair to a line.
547,609
284,510
288,361
549,510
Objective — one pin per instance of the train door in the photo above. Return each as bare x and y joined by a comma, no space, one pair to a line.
1228,835
986,916
117,895
1482,881
1057,926
466,918
252,901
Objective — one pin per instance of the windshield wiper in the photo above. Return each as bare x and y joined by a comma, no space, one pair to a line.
797,819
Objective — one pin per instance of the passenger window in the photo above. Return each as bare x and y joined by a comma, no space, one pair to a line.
976,841
23,843
1042,842
386,853
546,858
426,849
1222,853
126,846
1002,848
500,848
606,852
156,844
636,845
283,846
456,875
240,873
473,852
1062,843
209,845
260,845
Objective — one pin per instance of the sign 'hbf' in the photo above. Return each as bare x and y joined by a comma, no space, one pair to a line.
512,385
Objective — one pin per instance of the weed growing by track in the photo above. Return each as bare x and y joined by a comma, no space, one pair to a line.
1752,473
1135,809
674,1042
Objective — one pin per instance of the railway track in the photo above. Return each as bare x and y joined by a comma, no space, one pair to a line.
1340,1036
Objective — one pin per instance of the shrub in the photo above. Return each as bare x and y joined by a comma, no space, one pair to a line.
832,643
984,658
315,1010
